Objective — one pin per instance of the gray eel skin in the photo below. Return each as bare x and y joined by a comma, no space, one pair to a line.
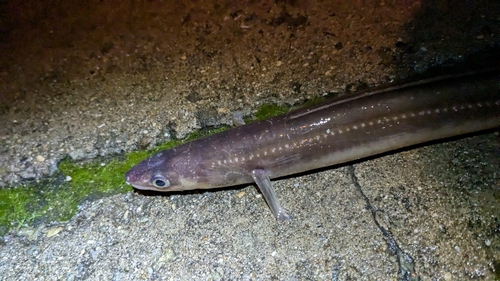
347,129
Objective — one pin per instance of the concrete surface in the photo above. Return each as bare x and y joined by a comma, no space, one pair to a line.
98,79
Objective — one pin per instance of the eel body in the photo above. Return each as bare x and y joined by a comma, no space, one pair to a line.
342,130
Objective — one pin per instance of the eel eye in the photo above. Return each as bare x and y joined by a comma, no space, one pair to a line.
160,181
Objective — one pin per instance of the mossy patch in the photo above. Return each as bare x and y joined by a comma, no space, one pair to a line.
270,110
57,198
14,207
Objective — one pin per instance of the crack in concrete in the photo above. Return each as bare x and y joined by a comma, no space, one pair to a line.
406,264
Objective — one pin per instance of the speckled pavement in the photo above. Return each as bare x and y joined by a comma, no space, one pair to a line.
101,79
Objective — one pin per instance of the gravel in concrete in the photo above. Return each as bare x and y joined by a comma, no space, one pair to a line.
102,78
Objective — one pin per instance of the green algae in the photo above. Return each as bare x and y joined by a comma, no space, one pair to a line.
13,208
270,110
57,198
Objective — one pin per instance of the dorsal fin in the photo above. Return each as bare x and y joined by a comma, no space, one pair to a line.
358,95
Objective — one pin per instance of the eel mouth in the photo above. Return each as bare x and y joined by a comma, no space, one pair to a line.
132,177
137,186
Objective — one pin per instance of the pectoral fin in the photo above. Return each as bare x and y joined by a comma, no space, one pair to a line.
261,178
